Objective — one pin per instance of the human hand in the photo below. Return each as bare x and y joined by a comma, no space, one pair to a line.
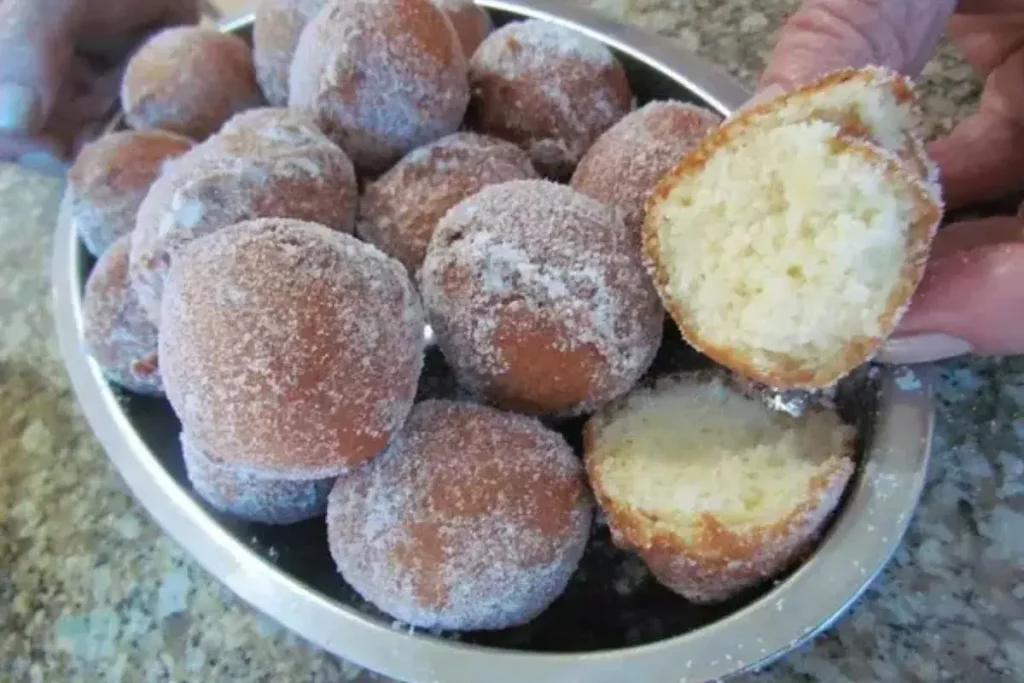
61,63
972,297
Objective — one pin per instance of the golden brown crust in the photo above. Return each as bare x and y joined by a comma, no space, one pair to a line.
399,211
721,563
398,82
899,85
787,372
111,177
115,330
539,299
189,80
276,28
446,530
288,348
548,89
243,494
623,166
471,22
263,163
912,152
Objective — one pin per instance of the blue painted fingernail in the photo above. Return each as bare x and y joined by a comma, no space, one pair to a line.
42,162
19,108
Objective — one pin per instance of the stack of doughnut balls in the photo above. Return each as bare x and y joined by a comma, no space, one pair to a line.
281,224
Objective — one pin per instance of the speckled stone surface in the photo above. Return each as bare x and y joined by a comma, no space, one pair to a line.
91,590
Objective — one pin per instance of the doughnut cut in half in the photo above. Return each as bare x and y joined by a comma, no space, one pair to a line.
788,254
872,103
715,491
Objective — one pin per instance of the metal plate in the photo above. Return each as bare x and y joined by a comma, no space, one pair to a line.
614,623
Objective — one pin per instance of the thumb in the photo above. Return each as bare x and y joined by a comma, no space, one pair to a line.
825,35
971,298
36,42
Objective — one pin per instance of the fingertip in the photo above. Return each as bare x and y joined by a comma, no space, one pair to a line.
766,93
39,153
974,294
960,238
763,95
36,43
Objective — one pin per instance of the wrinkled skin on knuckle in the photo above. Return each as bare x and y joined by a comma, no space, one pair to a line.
824,35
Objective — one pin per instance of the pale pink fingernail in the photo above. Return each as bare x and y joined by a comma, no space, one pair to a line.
768,94
922,348
19,108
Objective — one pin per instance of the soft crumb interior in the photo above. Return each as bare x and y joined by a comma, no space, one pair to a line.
705,448
786,244
875,104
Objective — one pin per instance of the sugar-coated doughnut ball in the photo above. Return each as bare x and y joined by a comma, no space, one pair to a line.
549,89
116,331
471,22
239,492
399,211
189,80
275,34
264,163
382,77
623,166
289,348
471,519
109,180
539,299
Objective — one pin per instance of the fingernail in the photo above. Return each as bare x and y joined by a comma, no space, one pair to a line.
42,163
769,93
922,348
19,108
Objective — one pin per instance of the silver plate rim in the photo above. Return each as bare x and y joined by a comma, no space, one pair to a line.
859,545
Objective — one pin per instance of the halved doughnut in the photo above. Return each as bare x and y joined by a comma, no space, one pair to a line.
788,253
715,491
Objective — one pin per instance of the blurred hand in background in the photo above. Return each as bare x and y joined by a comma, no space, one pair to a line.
61,63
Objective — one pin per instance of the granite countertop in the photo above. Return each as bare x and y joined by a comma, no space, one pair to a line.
91,590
